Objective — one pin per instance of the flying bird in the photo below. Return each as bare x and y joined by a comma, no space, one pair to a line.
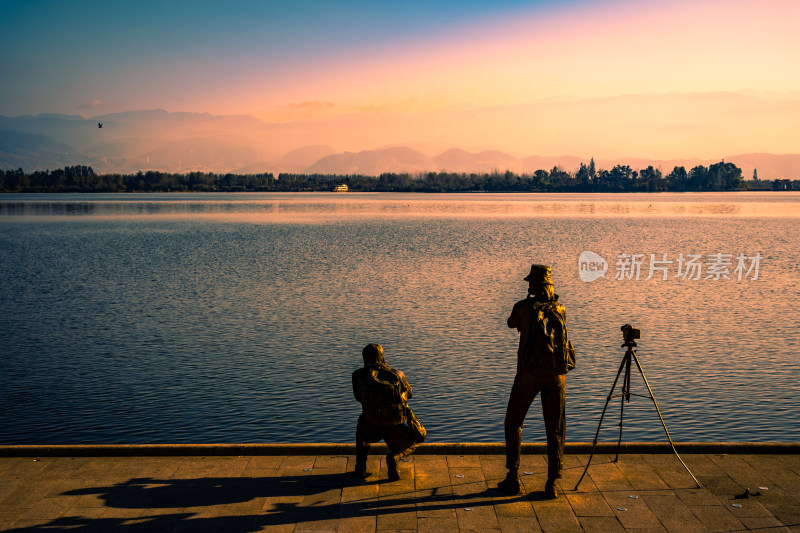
99,124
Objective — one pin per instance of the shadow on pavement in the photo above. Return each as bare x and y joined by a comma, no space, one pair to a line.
220,504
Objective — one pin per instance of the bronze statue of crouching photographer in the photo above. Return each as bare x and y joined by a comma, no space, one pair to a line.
383,393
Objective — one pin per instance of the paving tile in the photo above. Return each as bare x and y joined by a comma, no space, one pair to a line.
259,475
606,475
750,508
435,503
22,496
431,472
437,525
397,504
783,506
717,518
640,475
695,497
589,504
533,463
121,513
265,461
518,524
701,465
600,524
494,466
465,475
45,508
723,487
477,518
555,515
397,519
533,483
672,512
337,462
296,465
762,522
259,527
518,505
358,524
87,513
7,486
229,467
675,476
462,461
790,462
570,479
29,525
632,513
318,525
373,466
63,466
24,467
360,492
472,494
785,479
402,488
9,514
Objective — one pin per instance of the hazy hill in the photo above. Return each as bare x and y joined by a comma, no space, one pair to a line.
374,162
458,160
770,166
300,159
31,150
201,153
180,142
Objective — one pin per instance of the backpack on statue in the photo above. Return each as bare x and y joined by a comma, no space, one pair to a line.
547,346
383,388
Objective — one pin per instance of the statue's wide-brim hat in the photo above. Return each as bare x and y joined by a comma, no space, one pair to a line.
540,274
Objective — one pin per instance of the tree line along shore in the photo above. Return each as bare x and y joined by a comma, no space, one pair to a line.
720,176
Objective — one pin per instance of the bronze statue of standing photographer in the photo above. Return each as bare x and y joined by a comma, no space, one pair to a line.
544,357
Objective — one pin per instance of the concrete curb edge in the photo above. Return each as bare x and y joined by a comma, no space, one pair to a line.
444,448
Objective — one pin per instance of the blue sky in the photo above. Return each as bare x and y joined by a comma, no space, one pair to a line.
55,50
630,62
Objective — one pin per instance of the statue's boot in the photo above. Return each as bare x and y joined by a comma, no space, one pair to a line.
511,484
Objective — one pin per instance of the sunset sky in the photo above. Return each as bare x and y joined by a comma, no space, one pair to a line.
283,61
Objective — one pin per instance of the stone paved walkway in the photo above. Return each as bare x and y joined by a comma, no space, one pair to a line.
230,494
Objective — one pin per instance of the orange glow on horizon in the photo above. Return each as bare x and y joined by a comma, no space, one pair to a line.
631,48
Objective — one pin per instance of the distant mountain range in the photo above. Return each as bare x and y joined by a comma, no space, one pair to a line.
184,142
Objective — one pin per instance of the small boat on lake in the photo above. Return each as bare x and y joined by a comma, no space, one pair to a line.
341,188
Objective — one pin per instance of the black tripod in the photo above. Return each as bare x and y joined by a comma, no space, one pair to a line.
630,355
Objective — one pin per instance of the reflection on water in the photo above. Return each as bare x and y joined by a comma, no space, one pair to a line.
174,318
316,207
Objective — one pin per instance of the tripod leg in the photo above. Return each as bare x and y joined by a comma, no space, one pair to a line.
626,396
621,412
602,415
652,397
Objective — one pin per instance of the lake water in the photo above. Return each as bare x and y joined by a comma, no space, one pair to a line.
180,318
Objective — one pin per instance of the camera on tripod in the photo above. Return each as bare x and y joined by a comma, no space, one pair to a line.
630,333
